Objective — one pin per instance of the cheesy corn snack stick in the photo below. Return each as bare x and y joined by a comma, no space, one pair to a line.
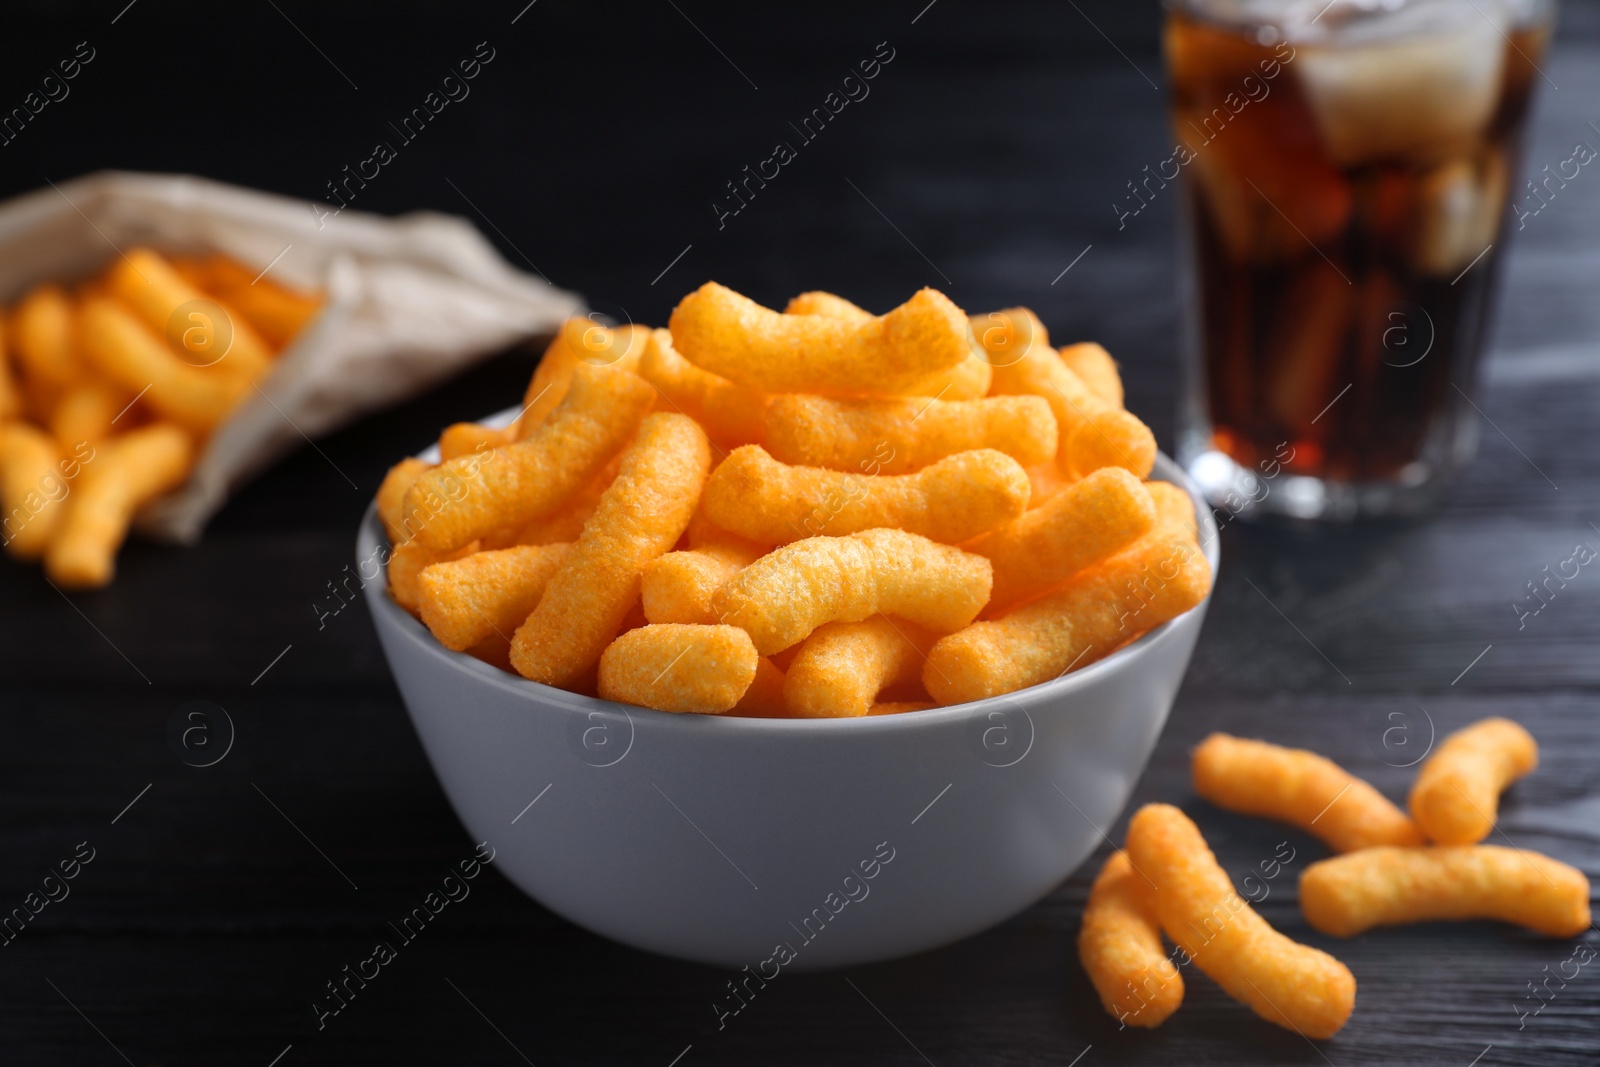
961,496
149,286
1120,946
1096,369
1296,986
640,517
679,667
32,490
521,482
128,472
467,600
127,352
899,435
1457,792
1346,895
730,335
730,413
1080,526
1090,616
1300,788
843,666
788,593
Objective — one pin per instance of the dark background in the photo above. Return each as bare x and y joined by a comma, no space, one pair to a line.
986,158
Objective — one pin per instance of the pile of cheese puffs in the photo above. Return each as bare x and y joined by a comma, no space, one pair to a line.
812,513
1387,873
108,390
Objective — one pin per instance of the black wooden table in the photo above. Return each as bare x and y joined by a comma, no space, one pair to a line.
220,899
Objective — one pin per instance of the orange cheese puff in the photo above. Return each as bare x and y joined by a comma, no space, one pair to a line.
1110,438
495,651
468,600
392,495
764,698
464,438
1296,986
720,331
959,497
85,412
1389,886
1120,946
968,380
640,517
786,594
31,489
147,285
730,413
277,312
127,352
1095,367
820,303
1174,508
619,347
679,667
1086,619
1457,792
129,472
1083,524
406,564
902,434
900,707
548,386
678,587
41,335
1024,363
1300,788
527,480
843,666
1045,480
10,393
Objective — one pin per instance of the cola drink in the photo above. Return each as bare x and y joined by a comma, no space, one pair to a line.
1345,173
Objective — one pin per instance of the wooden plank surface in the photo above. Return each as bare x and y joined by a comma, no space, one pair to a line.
984,162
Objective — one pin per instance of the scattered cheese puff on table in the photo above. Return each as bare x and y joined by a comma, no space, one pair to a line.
679,667
1293,985
753,495
1457,791
898,435
640,517
1387,886
1120,947
730,335
1300,788
785,595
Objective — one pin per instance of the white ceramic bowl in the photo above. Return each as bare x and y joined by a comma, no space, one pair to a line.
787,844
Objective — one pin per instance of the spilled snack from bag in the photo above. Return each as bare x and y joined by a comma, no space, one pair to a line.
109,391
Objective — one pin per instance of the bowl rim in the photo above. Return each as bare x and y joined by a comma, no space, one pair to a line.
369,536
